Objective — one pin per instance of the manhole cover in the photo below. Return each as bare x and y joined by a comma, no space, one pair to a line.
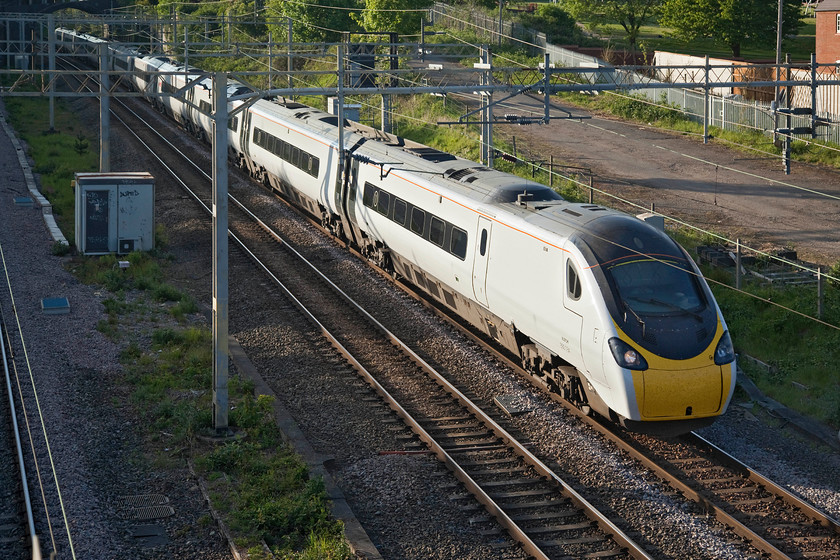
144,507
150,535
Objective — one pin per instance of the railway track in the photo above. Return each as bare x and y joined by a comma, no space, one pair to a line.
18,534
485,456
776,522
537,508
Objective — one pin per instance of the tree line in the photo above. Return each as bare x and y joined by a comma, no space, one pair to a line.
732,23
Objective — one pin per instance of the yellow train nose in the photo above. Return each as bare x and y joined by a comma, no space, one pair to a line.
681,393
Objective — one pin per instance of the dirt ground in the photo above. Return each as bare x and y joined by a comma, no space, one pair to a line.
710,186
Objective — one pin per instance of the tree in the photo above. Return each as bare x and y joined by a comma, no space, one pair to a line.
395,16
630,14
559,27
735,23
321,21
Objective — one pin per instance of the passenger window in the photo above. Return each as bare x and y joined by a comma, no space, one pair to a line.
400,211
482,249
418,220
437,231
367,196
573,281
458,243
384,203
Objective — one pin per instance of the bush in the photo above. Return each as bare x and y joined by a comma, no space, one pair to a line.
559,27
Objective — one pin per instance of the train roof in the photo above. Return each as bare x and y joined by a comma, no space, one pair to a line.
528,201
305,117
489,189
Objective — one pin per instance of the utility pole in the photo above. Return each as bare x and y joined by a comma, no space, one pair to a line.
51,62
220,255
776,98
104,111
501,6
487,112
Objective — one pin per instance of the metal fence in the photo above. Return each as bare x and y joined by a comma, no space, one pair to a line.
729,112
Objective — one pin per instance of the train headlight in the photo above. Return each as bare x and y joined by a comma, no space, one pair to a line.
626,356
725,352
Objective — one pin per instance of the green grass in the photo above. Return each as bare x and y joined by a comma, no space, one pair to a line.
657,38
260,485
57,154
799,350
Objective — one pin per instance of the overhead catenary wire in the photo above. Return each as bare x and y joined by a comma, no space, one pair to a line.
705,231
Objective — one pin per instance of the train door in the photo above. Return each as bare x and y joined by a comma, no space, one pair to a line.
353,188
345,197
481,259
580,325
244,144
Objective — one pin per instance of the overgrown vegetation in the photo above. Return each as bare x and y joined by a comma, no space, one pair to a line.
58,153
798,351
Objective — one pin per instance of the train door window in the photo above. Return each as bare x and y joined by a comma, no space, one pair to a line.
233,124
573,281
400,208
458,243
384,203
437,230
367,196
482,247
418,220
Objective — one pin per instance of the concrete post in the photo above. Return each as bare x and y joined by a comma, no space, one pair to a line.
220,254
51,51
104,112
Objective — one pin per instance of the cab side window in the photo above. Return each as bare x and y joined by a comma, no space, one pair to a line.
573,288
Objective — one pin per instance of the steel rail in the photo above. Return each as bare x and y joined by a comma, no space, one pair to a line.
475,488
806,508
27,500
734,524
737,526
518,534
730,521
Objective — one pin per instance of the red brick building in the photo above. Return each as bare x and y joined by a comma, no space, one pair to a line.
828,31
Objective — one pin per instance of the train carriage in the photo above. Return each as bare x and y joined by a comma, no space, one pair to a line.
601,306
292,149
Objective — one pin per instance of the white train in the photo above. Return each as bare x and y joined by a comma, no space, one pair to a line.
606,309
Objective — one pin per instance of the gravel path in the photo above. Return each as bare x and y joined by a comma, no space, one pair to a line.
96,451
